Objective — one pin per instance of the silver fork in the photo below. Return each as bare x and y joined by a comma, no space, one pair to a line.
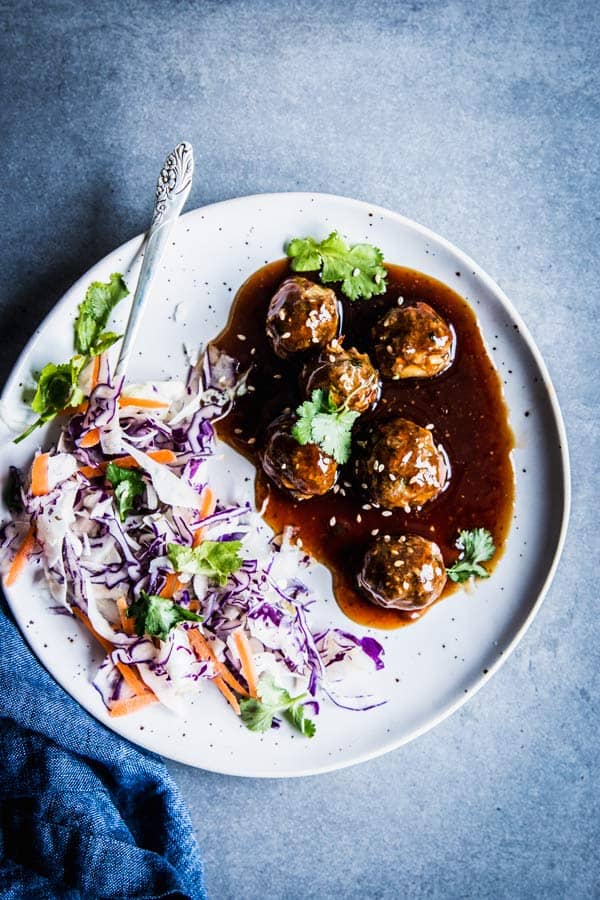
172,190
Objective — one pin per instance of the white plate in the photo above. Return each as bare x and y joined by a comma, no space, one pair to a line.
433,666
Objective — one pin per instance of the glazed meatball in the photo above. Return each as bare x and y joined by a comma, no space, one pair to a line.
302,316
404,572
302,470
402,465
348,375
413,342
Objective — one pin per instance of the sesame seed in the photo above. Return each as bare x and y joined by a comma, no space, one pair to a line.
391,476
283,466
336,488
281,314
253,351
241,337
380,467
398,563
299,543
332,521
405,585
251,388
387,538
364,487
251,440
237,430
358,518
366,506
286,334
277,376
375,532
377,278
355,272
386,512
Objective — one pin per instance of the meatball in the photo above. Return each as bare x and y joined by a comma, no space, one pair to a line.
302,316
302,470
413,342
348,375
404,572
402,465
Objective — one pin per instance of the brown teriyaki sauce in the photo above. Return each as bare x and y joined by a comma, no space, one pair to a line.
464,405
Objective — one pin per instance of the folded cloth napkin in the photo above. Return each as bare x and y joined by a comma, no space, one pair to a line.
83,814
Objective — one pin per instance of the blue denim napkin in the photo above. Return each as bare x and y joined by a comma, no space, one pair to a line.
83,814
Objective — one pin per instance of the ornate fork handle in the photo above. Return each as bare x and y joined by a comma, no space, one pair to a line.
172,190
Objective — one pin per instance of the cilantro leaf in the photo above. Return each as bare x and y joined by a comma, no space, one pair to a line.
323,423
128,484
217,559
305,254
156,616
476,546
359,267
258,715
57,388
296,714
333,433
93,313
105,340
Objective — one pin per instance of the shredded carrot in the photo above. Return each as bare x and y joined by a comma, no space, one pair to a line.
228,694
171,586
126,622
208,502
242,645
127,462
95,372
91,438
160,456
92,471
130,705
202,650
142,403
39,475
129,674
21,557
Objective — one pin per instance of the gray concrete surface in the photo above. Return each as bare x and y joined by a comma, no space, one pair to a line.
480,120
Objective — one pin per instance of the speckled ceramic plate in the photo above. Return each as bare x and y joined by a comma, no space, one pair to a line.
433,666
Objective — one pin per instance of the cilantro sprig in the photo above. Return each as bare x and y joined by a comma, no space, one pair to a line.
216,559
93,313
128,485
359,267
157,616
323,423
57,386
476,547
258,714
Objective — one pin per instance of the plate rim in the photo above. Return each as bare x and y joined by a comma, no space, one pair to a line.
524,333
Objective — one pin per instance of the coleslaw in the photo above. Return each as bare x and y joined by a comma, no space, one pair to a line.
182,588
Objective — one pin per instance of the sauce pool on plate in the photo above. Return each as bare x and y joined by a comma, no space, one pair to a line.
463,407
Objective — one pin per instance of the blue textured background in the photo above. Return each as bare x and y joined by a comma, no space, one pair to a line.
480,120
